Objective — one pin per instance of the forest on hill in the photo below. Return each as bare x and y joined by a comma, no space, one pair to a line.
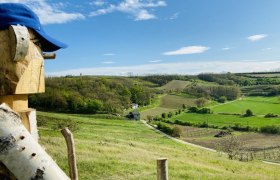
91,94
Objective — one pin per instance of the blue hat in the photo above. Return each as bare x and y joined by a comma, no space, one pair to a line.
15,13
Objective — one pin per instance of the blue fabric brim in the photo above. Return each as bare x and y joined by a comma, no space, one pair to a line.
49,44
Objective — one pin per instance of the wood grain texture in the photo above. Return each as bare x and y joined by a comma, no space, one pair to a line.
22,77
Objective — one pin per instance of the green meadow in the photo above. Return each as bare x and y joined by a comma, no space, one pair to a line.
259,106
121,149
226,120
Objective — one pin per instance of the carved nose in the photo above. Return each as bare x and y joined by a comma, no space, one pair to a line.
49,55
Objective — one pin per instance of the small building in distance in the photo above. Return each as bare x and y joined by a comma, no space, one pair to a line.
134,115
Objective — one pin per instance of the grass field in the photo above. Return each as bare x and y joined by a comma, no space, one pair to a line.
259,106
176,85
226,120
155,111
167,103
176,102
118,149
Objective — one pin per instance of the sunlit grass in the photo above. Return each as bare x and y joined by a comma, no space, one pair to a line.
259,106
119,149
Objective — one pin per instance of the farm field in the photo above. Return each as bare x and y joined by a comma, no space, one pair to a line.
167,103
155,111
119,149
205,137
259,106
177,85
226,120
176,102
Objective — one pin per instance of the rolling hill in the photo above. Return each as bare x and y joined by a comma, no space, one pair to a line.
119,149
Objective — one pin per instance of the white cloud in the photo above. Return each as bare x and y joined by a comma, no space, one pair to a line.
267,49
174,16
137,8
226,48
188,50
97,3
257,37
48,13
155,61
144,15
109,54
177,68
108,62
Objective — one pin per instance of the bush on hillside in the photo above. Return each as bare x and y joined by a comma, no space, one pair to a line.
172,131
222,99
270,115
270,129
248,113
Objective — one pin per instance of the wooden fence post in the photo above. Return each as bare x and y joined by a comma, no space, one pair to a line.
162,169
71,153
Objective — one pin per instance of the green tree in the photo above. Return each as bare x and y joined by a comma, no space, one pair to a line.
248,113
222,99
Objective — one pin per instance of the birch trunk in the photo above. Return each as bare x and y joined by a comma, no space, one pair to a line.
21,154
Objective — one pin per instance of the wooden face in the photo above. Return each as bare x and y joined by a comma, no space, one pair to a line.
25,76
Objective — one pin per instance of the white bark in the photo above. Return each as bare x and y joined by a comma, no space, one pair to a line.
33,124
21,154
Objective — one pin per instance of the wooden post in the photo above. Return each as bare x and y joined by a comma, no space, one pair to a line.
162,169
71,153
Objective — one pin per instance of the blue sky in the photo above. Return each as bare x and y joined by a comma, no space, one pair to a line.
120,37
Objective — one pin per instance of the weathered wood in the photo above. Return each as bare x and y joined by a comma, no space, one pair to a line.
25,76
49,55
21,154
162,169
71,153
15,102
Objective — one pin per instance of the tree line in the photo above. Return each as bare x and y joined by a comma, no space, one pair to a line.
87,94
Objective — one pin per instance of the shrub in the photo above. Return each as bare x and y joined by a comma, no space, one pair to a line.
204,111
248,113
222,99
165,128
177,132
270,115
270,129
170,114
174,132
163,115
203,125
192,109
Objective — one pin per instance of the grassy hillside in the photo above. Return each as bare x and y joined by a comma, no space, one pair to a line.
175,85
259,106
118,149
168,103
176,102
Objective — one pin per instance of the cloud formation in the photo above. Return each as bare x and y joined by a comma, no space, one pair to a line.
137,8
177,68
155,61
257,37
109,54
48,13
174,16
108,62
226,48
187,50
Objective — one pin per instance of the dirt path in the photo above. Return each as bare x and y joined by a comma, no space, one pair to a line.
175,139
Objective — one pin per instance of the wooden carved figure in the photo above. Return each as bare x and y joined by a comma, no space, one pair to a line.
23,45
